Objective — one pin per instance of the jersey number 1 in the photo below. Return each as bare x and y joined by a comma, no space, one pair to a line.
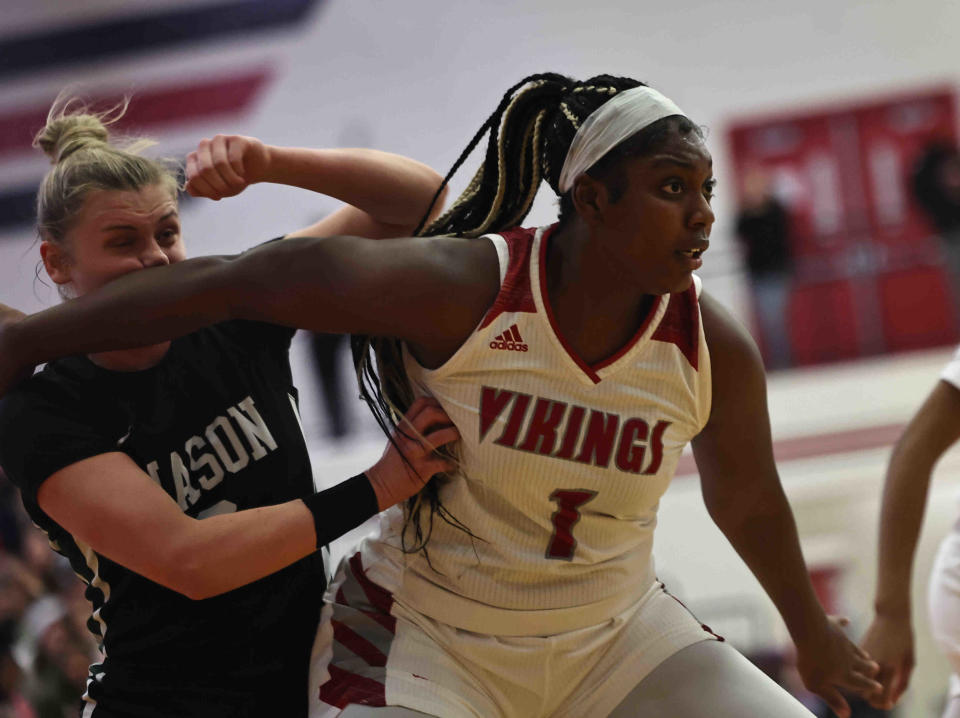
562,543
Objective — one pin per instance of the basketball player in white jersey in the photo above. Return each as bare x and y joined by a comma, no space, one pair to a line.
577,360
933,430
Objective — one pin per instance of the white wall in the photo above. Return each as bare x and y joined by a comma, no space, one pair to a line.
420,76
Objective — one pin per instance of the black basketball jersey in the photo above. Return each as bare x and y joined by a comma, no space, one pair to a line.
215,423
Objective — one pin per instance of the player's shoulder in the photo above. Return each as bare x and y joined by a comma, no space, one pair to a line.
468,267
734,356
722,331
466,273
65,388
55,408
60,382
463,256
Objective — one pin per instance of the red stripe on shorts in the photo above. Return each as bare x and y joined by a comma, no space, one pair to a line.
345,688
385,620
379,597
388,622
359,645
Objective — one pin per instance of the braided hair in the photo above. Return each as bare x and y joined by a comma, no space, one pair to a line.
530,133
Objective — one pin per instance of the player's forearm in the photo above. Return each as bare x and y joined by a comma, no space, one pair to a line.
392,189
137,309
901,516
221,553
327,285
281,282
932,430
766,539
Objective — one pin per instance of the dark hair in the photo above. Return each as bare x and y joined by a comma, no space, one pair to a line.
530,133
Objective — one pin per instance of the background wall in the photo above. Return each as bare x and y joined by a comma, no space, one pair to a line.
419,77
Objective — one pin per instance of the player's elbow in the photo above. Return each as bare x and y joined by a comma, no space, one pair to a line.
190,569
192,578
727,515
736,512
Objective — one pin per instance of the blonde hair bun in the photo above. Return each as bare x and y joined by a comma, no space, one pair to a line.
65,135
72,125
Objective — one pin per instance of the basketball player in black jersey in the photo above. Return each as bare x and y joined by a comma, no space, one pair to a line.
175,477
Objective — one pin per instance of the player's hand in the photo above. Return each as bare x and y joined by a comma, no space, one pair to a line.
395,479
889,640
829,662
225,165
12,369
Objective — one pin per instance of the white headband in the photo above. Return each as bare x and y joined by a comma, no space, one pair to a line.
623,115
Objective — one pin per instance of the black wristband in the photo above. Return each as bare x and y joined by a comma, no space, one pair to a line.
342,508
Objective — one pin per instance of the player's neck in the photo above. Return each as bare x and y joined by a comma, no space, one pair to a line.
595,313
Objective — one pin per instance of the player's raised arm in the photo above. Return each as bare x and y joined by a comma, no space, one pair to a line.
743,495
386,194
430,292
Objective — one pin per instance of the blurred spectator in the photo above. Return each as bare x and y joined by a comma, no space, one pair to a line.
45,649
763,228
936,186
56,658
10,518
12,702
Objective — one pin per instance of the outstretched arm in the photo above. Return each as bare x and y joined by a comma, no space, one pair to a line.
429,292
743,495
889,639
386,194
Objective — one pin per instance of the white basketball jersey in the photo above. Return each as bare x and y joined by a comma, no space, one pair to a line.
563,463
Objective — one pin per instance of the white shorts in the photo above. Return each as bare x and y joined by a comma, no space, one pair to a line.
382,653
944,605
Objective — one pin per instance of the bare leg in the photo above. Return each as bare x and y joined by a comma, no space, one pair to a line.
708,680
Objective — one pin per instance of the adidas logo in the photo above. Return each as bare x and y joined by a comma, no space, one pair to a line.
510,341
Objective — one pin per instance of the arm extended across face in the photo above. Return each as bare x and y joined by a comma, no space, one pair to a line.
430,292
743,494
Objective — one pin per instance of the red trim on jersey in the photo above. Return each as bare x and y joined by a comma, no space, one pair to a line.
588,369
356,643
345,688
681,325
379,597
515,293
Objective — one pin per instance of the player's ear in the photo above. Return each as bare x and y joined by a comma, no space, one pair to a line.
56,261
590,198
